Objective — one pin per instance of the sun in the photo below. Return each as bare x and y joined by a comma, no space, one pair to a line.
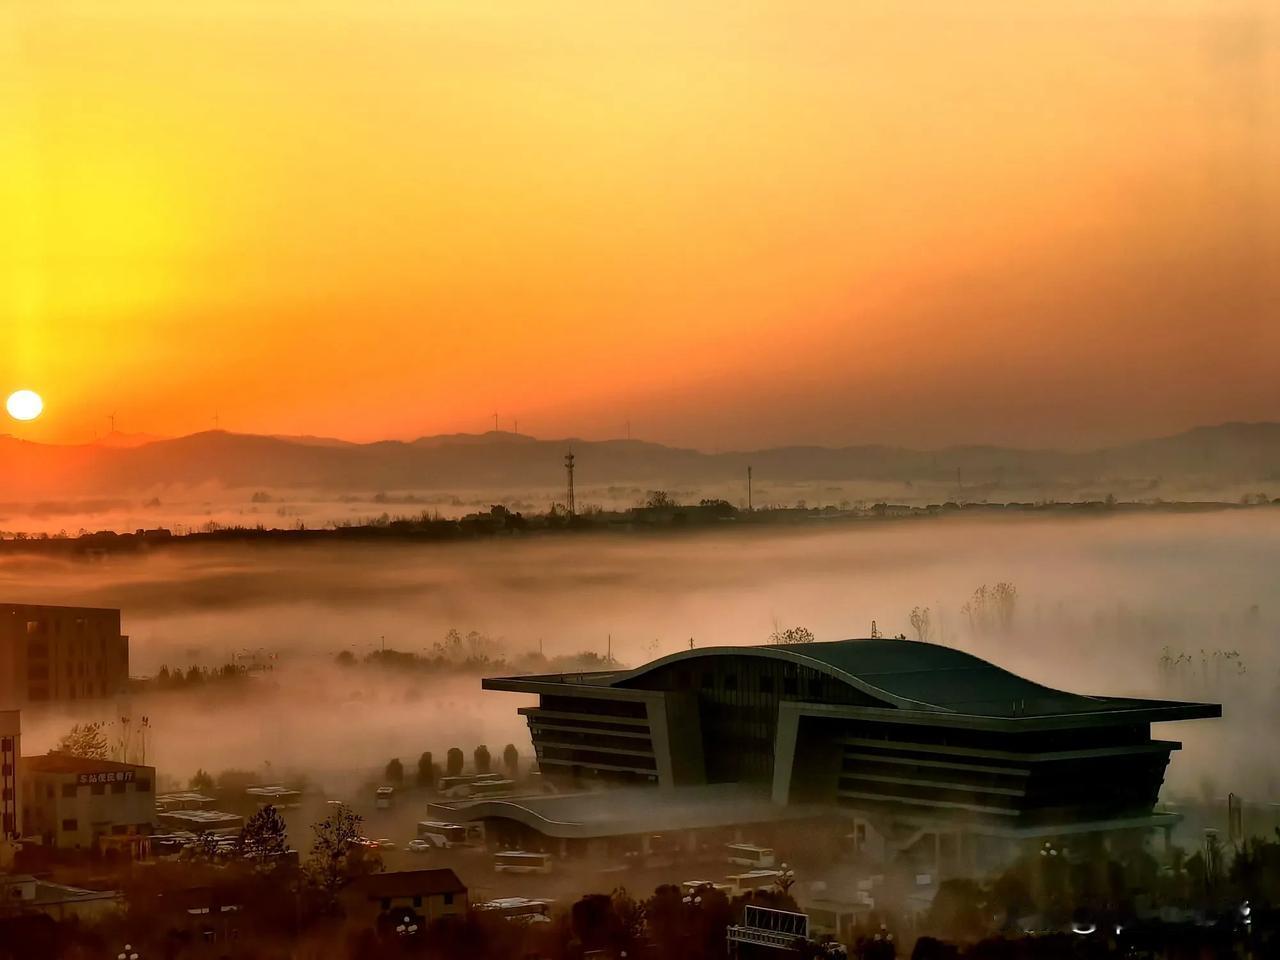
24,405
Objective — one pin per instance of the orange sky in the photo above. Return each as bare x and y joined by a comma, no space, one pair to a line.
733,223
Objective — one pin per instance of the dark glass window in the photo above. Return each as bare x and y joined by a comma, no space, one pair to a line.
70,824
789,686
68,790
144,785
731,681
766,684
98,789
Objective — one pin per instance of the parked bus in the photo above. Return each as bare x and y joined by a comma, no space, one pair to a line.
442,834
520,861
382,798
520,909
749,855
741,883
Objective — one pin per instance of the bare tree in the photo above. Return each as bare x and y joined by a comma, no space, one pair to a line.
790,635
84,740
921,623
263,835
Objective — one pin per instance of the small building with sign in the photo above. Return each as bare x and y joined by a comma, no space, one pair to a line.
70,802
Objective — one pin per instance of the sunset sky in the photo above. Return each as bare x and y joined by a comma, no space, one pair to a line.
733,223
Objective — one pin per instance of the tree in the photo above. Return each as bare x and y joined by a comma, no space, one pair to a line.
263,835
791,635
921,623
511,760
426,771
201,782
395,770
1006,599
336,858
84,740
453,762
481,758
613,922
658,500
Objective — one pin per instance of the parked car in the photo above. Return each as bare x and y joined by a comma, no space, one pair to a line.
419,845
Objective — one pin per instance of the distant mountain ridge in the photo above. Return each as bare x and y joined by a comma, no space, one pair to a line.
1230,452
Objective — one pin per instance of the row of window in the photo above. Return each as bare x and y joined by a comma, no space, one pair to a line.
417,901
69,790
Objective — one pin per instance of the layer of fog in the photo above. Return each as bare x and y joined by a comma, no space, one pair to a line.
1098,602
184,509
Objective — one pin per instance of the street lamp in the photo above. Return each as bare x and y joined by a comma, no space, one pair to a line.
128,953
407,926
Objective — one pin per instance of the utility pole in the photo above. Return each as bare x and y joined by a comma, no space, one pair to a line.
748,488
111,418
568,469
609,648
495,423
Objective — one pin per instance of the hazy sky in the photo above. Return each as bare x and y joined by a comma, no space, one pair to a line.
733,223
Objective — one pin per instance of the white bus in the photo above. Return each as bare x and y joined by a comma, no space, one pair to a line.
382,797
749,855
740,883
520,861
518,908
442,834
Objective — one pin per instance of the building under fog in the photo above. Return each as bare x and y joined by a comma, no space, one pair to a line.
902,735
58,654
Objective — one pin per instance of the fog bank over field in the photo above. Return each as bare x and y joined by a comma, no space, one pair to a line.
1098,601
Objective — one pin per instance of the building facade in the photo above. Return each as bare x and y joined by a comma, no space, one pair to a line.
10,751
72,802
60,654
912,733
406,898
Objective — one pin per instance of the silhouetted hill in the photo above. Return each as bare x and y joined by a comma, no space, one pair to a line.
1233,452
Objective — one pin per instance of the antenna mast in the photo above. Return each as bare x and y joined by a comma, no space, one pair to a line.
568,469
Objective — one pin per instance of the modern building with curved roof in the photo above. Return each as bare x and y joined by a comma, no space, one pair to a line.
912,730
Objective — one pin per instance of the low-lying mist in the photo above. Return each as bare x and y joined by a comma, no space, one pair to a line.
1174,606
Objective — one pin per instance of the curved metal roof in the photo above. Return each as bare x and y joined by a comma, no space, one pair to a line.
915,675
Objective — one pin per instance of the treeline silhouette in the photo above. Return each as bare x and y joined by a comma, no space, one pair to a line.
659,512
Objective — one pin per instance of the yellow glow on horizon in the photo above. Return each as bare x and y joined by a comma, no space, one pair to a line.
579,215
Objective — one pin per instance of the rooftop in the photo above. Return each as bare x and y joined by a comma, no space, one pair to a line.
631,811
409,883
904,674
65,763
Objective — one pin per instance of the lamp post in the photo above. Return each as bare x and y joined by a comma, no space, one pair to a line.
128,953
407,926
